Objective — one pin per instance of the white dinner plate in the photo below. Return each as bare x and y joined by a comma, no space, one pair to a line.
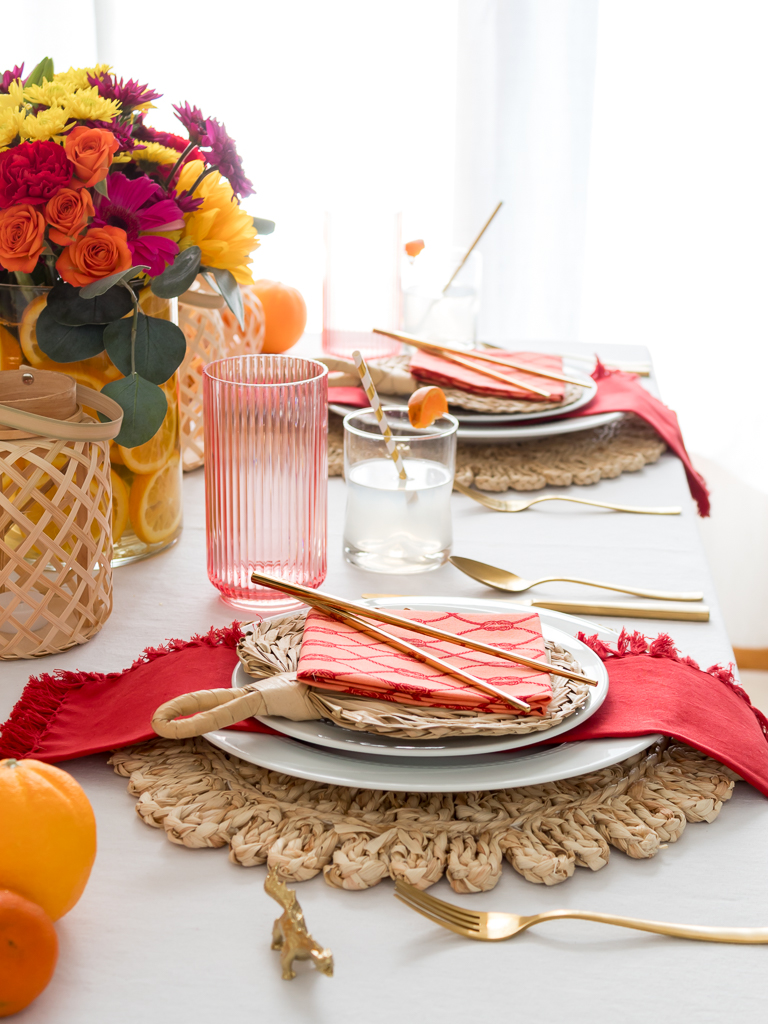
336,737
527,766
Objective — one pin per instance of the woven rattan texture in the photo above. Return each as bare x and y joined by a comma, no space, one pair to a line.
202,798
55,544
581,458
273,646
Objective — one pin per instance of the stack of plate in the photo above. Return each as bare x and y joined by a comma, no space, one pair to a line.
325,752
483,426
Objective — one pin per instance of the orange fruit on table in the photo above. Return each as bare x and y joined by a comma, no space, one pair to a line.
29,948
48,835
426,405
285,312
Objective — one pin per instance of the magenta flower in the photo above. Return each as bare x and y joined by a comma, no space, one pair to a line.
141,208
187,202
193,121
128,94
8,77
224,157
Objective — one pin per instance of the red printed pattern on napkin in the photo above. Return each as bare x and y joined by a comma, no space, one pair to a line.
436,370
338,657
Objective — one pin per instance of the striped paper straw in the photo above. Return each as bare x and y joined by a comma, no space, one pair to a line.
380,415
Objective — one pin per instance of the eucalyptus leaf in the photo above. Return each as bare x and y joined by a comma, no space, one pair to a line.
90,291
40,71
177,278
229,289
101,188
264,227
67,305
65,343
160,347
144,407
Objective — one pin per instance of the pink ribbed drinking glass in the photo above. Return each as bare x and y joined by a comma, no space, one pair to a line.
266,475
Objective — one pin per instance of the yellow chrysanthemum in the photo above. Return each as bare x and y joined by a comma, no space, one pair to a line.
49,94
14,97
10,121
46,124
77,78
222,229
154,153
86,104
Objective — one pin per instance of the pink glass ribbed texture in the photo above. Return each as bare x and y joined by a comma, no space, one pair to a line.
266,475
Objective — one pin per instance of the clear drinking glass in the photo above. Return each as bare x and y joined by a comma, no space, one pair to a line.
391,525
266,475
361,289
434,315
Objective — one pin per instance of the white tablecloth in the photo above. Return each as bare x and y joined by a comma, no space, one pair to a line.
166,934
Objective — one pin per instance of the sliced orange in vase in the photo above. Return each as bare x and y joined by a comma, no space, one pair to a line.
10,350
155,502
120,506
154,453
33,354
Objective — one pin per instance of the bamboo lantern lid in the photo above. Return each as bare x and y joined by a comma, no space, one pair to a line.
43,392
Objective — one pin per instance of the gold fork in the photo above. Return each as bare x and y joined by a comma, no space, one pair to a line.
494,927
503,505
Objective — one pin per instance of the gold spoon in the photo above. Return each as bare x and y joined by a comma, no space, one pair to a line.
500,579
505,505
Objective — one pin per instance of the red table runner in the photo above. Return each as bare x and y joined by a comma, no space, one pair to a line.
62,715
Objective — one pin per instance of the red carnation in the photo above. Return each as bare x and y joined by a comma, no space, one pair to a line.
33,173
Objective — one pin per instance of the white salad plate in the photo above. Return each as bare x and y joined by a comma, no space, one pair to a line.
336,737
521,766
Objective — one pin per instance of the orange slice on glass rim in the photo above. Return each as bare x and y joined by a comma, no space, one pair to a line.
426,405
155,503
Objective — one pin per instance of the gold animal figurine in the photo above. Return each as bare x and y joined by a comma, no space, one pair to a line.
290,934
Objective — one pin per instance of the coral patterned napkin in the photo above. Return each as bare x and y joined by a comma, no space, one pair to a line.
436,370
338,657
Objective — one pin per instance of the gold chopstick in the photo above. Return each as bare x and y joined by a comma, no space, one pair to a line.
468,253
428,659
461,360
317,598
437,349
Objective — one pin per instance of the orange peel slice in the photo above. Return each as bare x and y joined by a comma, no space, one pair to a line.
426,405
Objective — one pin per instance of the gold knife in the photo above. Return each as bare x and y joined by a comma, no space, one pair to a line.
624,609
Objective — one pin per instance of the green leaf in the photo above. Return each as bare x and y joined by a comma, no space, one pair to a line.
101,188
67,305
68,344
42,70
144,407
229,289
264,227
90,291
177,278
160,347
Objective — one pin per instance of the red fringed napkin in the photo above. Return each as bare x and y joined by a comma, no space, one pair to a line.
652,689
338,657
436,370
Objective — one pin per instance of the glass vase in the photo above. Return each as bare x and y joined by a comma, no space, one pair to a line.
146,481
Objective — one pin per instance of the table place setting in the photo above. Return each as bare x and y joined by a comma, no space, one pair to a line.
475,732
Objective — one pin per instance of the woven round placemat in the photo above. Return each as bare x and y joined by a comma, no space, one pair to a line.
581,458
202,798
273,646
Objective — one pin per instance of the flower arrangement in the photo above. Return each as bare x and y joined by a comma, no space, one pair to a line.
98,205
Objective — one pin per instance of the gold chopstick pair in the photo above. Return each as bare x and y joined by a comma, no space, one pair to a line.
356,615
460,358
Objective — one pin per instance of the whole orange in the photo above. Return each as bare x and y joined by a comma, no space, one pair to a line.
285,312
29,949
48,841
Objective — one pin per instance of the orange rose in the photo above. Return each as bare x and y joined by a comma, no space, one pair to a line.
98,253
22,230
68,213
91,151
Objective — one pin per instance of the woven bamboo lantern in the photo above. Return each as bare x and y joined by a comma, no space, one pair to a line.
55,512
212,332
